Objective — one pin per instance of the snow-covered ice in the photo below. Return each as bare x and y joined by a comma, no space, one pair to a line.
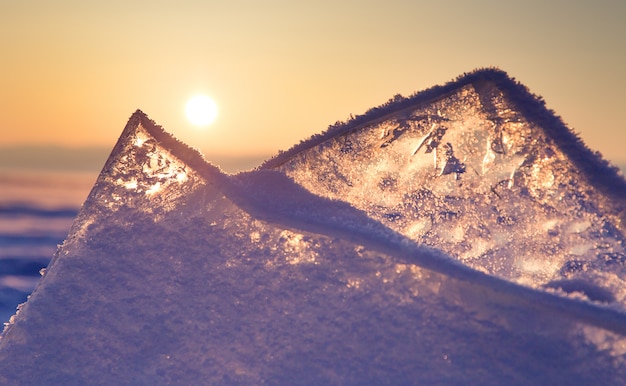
460,236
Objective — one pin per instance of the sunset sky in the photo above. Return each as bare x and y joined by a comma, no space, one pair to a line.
72,72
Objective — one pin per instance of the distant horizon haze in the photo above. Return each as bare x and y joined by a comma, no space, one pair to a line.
91,159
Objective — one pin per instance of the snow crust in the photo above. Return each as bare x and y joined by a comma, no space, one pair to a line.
450,243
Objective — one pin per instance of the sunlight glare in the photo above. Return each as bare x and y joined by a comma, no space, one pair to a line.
201,110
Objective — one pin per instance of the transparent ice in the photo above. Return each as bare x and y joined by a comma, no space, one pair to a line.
447,243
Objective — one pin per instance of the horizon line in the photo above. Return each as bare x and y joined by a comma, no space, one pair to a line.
92,158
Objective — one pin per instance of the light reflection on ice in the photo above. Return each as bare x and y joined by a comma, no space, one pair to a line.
518,211
580,249
297,248
149,171
419,228
255,237
578,226
353,283
153,189
139,142
479,248
130,185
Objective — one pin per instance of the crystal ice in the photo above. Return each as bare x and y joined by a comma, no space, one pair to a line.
461,235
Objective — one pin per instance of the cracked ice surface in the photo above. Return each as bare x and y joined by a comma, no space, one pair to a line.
483,184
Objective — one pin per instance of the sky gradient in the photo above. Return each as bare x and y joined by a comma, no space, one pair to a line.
72,72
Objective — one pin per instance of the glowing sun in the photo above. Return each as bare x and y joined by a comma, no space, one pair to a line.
201,110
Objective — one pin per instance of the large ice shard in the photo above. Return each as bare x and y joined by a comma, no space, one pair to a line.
395,250
481,170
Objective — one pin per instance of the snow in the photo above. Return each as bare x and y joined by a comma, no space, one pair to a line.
478,254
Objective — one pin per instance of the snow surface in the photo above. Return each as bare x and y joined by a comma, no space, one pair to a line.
432,246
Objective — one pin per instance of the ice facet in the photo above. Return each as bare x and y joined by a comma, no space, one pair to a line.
475,179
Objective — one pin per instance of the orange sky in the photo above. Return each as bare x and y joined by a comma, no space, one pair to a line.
72,72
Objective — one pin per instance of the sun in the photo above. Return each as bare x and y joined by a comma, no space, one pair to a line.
201,110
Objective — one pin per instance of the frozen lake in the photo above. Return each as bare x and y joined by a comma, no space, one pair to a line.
37,209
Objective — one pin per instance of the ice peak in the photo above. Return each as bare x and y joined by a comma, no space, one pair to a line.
478,168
